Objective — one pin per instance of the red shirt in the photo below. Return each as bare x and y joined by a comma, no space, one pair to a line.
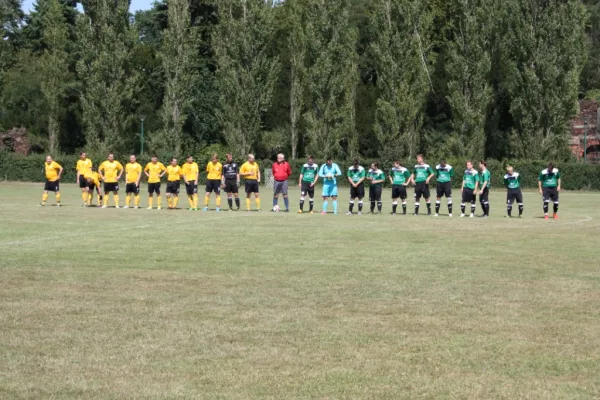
281,172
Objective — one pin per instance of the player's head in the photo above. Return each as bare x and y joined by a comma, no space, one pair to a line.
83,155
311,160
420,159
154,159
111,157
482,164
132,158
397,163
375,165
329,161
443,163
214,158
190,159
509,169
356,162
469,164
48,159
174,162
550,167
229,157
250,158
280,157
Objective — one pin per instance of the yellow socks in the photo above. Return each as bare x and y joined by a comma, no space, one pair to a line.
116,198
127,200
219,201
191,201
206,201
257,203
158,201
84,197
195,201
90,197
136,200
150,199
169,201
44,198
58,197
248,204
175,201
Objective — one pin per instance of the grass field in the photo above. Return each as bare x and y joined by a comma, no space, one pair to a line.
114,304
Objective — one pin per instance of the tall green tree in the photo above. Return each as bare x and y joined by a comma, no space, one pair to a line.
55,74
106,41
11,18
331,78
246,72
401,50
179,60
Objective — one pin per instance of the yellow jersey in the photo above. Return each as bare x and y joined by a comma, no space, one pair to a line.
190,171
84,167
110,170
174,173
154,171
250,168
133,172
94,178
52,170
215,171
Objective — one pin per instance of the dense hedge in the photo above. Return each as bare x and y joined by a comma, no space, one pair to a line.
575,176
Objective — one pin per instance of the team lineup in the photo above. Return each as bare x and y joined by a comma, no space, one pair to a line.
227,177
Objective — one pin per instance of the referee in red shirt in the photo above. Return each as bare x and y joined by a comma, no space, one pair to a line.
281,173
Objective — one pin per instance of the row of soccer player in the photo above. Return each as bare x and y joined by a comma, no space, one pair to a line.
227,176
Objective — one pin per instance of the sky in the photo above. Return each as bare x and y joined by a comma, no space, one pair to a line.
135,5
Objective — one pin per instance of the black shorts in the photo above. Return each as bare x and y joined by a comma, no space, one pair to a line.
191,188
357,192
213,185
421,189
251,186
468,195
231,186
132,188
111,187
513,195
83,182
483,197
399,192
444,189
550,194
173,187
306,189
154,188
52,186
92,187
375,192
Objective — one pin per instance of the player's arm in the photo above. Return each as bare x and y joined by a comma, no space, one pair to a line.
164,171
337,171
378,181
301,177
483,185
559,182
146,169
60,171
258,174
406,179
462,186
322,171
100,169
431,175
412,178
78,173
120,168
139,176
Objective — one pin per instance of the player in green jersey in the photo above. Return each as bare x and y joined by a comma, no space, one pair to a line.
376,177
356,177
512,181
309,175
485,180
399,178
549,185
469,189
444,173
422,174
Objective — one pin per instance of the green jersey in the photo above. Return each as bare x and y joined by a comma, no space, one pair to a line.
422,172
444,174
376,175
399,175
549,178
471,177
512,181
356,173
309,172
484,177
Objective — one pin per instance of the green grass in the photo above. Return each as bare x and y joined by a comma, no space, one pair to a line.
113,304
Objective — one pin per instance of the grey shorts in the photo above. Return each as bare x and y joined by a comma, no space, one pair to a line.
280,187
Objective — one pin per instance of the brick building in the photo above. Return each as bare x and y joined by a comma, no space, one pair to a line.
588,113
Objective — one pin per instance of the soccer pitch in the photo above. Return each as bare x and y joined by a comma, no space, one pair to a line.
113,304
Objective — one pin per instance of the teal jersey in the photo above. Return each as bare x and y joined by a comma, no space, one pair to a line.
422,172
512,181
309,172
376,175
356,173
484,177
549,178
399,175
471,177
444,174
331,171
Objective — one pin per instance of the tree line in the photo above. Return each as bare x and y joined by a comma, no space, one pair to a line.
345,78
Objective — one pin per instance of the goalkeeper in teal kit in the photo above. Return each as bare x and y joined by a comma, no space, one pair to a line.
328,173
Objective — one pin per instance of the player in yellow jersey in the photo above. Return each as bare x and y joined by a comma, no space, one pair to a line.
251,173
173,181
53,172
110,172
93,180
214,170
154,170
84,170
133,174
190,173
